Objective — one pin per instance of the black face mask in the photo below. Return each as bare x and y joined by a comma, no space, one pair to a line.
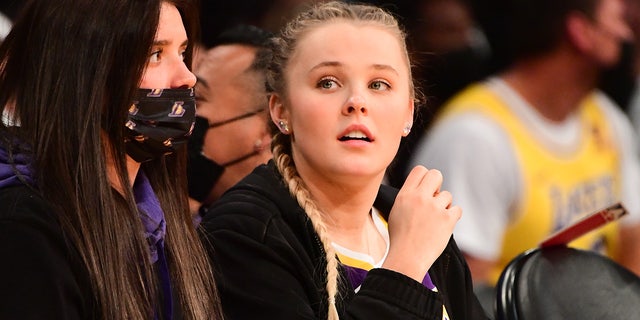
202,172
158,122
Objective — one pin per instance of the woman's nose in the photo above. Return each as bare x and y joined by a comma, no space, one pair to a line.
183,77
355,104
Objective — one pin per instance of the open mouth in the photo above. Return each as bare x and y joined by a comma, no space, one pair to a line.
355,135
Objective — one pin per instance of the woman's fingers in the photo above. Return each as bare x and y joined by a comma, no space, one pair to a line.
444,199
424,180
456,212
415,177
420,224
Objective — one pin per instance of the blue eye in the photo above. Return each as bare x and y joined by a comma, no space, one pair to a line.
327,83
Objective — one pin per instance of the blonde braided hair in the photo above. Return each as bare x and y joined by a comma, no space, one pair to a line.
299,191
282,49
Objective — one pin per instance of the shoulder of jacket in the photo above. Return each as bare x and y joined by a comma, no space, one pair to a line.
20,203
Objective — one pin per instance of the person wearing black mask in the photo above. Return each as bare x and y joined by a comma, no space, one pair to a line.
94,218
230,137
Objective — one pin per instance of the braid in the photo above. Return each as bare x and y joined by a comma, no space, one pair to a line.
283,47
297,188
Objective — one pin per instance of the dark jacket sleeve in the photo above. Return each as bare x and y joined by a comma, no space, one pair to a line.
37,280
386,294
453,277
264,272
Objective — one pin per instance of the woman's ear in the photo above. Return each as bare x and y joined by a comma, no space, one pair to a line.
279,115
275,107
412,109
408,124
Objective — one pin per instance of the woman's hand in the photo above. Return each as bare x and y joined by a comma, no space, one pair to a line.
420,223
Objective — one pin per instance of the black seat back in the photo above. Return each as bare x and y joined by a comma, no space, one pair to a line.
564,283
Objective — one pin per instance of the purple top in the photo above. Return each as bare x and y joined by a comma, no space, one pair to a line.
151,214
155,229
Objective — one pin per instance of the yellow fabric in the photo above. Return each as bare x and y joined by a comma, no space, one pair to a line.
559,186
354,262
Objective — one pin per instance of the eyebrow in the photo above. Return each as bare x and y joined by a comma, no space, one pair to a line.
338,64
326,64
385,67
167,42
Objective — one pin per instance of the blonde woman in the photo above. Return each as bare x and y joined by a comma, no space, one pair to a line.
313,235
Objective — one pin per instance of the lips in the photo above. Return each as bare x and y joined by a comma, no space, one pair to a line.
356,132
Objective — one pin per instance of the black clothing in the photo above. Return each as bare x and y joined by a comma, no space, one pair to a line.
269,263
43,277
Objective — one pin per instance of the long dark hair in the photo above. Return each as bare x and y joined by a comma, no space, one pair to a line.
69,70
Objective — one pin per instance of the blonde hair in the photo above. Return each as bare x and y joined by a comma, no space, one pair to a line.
321,14
284,46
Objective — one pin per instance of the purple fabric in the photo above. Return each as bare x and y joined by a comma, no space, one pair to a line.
14,172
151,213
155,229
427,282
356,277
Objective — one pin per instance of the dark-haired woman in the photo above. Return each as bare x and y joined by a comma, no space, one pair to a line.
97,103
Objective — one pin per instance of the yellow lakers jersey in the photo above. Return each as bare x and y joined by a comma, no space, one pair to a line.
559,186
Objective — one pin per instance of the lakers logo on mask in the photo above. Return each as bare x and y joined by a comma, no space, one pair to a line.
177,110
155,93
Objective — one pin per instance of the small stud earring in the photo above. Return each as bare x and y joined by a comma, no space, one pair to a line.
284,128
407,129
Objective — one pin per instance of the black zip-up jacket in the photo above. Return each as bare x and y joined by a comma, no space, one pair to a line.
41,275
269,263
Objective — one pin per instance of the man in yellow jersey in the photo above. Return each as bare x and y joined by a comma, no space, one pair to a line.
532,148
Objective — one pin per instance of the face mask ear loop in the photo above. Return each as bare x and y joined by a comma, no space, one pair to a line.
240,117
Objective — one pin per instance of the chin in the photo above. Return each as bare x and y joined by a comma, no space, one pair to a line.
361,170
